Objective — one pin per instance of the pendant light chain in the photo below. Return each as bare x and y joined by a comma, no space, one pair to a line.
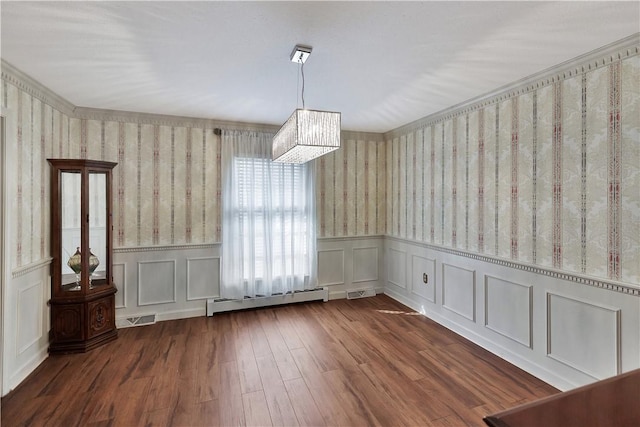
302,71
298,87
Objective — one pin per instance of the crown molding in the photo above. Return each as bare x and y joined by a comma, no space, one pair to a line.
195,122
166,120
361,136
598,58
34,88
31,86
602,57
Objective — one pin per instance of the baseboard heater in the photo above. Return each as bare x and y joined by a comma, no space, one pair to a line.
220,305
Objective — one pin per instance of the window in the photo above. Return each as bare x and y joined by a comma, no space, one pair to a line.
268,226
272,215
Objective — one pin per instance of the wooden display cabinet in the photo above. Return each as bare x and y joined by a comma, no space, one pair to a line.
82,289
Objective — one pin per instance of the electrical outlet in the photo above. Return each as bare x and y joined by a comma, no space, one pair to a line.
425,278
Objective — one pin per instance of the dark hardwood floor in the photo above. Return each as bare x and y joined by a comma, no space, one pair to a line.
362,362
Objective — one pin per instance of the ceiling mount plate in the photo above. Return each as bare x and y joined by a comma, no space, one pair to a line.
300,54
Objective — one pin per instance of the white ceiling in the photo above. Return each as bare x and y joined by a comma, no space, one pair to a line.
382,64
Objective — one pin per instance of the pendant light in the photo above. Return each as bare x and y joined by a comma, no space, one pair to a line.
307,134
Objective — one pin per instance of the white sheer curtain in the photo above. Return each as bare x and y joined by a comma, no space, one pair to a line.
268,220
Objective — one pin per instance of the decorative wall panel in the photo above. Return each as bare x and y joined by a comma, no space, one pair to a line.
203,278
419,267
583,335
156,282
365,264
119,272
29,326
330,267
459,291
350,264
508,309
396,267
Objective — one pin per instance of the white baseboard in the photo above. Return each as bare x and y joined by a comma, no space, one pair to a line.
217,306
527,365
337,295
25,370
182,314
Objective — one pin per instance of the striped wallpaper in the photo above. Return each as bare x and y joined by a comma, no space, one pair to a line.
349,190
548,176
167,184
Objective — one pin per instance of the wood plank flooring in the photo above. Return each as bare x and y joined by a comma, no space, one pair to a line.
366,362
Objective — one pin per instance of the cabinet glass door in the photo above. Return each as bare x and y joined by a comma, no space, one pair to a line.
71,192
98,229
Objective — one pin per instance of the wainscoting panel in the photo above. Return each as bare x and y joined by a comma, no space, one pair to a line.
120,281
25,321
421,266
508,309
459,290
169,282
396,265
583,335
330,267
30,304
365,264
564,331
156,282
173,282
350,264
203,278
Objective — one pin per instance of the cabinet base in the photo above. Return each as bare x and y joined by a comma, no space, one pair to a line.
82,346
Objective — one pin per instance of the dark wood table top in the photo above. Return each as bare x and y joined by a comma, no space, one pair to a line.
613,402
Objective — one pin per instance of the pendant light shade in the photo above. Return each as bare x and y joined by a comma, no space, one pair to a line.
307,134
